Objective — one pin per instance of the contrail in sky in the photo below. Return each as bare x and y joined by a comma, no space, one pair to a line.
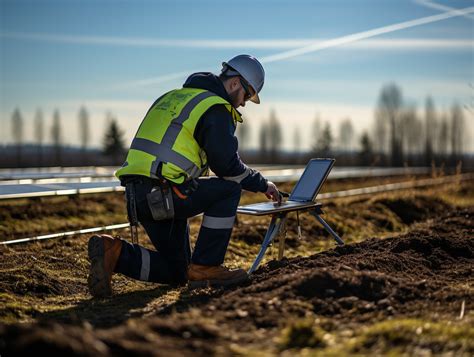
437,6
318,46
312,46
270,44
364,35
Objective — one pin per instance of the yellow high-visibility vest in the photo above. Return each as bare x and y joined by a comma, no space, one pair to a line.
166,136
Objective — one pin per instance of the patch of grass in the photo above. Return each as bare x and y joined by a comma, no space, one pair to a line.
301,334
13,309
408,335
457,194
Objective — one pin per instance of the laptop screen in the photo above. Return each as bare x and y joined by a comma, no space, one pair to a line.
312,179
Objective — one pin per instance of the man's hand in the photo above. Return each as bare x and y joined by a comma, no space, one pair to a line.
272,192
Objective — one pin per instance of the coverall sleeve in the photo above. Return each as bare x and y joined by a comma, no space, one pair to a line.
215,134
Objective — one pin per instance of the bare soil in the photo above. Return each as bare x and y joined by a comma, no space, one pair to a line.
408,293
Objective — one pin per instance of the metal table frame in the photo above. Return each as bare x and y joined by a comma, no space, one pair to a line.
277,227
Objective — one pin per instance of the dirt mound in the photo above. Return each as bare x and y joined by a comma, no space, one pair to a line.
413,209
428,269
26,218
34,281
37,272
381,275
156,337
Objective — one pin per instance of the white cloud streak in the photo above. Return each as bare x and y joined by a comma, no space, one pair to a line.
364,35
412,43
344,40
152,81
303,47
436,6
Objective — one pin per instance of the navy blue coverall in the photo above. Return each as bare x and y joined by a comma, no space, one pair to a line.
216,197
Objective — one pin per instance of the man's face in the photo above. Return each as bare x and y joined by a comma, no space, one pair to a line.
239,92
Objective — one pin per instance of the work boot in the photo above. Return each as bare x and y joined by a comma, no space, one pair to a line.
104,251
202,276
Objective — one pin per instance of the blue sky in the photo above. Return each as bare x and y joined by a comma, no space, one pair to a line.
118,56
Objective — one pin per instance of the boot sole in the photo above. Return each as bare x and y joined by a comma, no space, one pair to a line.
197,284
97,281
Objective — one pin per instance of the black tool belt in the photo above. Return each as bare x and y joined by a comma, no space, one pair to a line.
160,197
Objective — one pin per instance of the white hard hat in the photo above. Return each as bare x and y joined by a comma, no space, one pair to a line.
250,69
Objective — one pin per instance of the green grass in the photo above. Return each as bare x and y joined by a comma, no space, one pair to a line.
395,337
406,335
301,334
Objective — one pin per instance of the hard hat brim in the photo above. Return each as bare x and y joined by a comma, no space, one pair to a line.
255,99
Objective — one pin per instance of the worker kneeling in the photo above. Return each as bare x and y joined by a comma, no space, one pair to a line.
184,133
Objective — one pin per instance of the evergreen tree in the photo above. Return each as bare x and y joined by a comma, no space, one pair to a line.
114,143
366,151
324,146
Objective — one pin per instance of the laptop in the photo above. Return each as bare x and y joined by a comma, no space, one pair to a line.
304,193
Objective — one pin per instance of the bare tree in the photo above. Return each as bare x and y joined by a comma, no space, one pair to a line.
243,134
380,134
315,134
56,136
275,137
296,140
470,106
410,130
263,141
39,134
84,127
389,108
430,129
346,134
17,133
457,131
443,136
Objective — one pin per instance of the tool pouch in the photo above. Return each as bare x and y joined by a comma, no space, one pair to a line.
160,202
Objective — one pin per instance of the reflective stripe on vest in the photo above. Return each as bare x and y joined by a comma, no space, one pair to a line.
163,151
165,154
171,150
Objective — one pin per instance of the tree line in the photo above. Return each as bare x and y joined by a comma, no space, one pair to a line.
403,135
398,136
113,142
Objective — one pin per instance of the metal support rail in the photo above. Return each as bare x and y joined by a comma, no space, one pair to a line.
43,187
323,196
